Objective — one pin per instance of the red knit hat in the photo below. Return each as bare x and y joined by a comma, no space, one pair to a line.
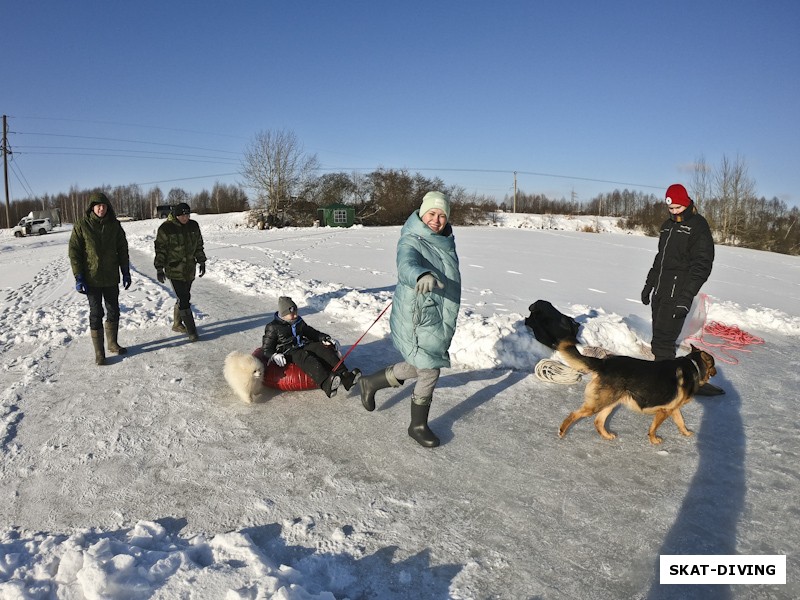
677,194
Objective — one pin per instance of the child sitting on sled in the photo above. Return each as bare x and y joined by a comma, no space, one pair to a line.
289,339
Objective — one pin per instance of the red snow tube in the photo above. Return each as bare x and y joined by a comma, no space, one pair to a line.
288,379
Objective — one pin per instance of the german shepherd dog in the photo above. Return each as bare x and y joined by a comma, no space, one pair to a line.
653,388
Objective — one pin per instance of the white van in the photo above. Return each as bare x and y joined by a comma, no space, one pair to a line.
30,226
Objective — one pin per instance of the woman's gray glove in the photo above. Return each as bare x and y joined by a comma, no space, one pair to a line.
426,284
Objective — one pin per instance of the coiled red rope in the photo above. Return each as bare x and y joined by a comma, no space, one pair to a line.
732,338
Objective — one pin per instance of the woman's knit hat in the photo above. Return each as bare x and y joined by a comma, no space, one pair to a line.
435,200
285,306
677,194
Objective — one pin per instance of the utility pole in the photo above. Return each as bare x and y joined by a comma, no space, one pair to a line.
6,152
515,192
599,211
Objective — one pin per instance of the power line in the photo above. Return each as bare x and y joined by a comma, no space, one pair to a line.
22,180
213,161
107,139
454,170
502,171
655,187
184,157
186,178
131,125
119,150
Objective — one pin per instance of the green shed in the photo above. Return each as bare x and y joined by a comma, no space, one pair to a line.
336,215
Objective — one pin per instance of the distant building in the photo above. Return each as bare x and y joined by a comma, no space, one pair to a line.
336,215
162,211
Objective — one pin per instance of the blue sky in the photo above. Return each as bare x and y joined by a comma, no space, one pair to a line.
577,97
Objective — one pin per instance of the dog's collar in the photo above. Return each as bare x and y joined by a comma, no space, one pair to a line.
696,365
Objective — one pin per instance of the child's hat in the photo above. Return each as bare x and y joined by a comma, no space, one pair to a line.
677,194
285,306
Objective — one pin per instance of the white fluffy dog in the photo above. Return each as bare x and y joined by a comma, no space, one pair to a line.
244,373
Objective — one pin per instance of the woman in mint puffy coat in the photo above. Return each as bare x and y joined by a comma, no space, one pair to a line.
424,311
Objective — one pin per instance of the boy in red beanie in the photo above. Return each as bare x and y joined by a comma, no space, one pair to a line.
682,265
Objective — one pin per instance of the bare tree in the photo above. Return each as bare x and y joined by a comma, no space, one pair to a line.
75,208
701,185
177,195
735,189
155,197
201,202
332,188
744,196
127,199
362,188
276,168
228,198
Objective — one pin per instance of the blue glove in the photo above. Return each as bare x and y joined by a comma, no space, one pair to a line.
426,283
126,276
160,275
202,270
680,312
80,284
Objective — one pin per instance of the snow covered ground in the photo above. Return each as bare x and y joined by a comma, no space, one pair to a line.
147,478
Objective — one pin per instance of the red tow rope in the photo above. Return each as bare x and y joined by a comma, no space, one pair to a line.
361,338
732,338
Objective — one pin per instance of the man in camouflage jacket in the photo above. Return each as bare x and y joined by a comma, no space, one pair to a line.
179,251
98,252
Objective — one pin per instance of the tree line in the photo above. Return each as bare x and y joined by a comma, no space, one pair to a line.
131,201
285,183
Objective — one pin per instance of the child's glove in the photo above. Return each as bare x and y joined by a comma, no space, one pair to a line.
126,276
160,275
329,341
279,359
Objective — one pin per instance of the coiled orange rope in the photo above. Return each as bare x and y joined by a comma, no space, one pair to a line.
733,338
